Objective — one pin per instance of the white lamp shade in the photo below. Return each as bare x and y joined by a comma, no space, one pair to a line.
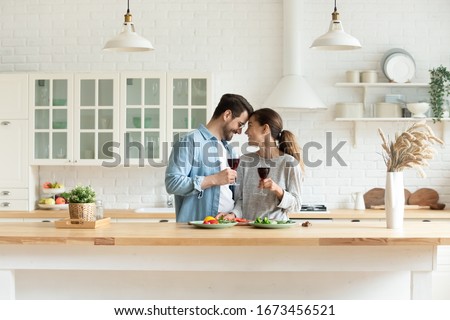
336,39
128,41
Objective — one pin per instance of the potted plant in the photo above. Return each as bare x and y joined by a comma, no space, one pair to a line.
82,203
439,90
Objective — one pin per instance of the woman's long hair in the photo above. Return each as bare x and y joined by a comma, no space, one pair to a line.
287,142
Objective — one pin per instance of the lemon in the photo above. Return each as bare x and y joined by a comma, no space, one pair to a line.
209,218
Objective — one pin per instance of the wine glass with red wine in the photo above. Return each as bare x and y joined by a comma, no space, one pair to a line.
233,162
263,173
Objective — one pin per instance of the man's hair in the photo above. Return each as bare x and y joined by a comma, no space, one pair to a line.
234,102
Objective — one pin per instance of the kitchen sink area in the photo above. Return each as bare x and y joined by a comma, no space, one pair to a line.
155,210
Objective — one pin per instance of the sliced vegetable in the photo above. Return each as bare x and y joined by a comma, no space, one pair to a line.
266,220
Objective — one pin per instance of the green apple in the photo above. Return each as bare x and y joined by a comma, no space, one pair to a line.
49,201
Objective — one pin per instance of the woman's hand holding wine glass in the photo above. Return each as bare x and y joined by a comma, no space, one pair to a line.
263,173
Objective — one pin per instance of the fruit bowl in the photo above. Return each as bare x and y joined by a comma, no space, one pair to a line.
418,109
53,190
53,206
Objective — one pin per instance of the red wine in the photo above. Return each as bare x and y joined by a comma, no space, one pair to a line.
263,172
233,163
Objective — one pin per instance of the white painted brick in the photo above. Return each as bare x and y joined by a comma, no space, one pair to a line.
240,42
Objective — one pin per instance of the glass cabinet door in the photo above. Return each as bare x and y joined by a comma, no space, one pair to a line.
143,117
96,117
51,108
188,102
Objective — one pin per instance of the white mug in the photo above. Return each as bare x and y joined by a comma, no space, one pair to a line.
352,76
358,198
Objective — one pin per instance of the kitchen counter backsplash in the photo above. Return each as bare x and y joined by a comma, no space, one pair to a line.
119,188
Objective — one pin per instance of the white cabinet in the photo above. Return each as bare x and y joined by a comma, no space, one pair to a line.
74,117
14,97
51,118
143,115
114,119
156,108
188,102
14,170
14,153
96,117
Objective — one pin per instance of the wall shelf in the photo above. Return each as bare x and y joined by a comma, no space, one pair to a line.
367,86
383,85
358,123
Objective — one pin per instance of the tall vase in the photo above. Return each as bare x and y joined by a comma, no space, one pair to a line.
394,200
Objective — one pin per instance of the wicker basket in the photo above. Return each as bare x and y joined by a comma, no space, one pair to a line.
82,211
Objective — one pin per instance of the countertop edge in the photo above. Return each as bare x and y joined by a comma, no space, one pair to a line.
332,214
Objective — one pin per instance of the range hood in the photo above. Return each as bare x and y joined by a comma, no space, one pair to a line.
292,91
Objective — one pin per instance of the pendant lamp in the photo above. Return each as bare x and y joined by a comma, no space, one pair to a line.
128,40
336,38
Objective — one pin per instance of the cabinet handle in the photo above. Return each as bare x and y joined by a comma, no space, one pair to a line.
6,193
6,123
6,204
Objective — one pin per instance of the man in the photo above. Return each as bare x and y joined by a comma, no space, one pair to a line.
197,173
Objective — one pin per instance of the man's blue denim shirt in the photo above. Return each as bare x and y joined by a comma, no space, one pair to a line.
194,156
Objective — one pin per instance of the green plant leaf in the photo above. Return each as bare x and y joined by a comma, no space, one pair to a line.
81,194
439,90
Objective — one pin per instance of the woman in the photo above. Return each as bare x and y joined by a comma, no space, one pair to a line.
279,193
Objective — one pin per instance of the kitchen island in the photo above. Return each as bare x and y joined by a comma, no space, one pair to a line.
340,260
129,215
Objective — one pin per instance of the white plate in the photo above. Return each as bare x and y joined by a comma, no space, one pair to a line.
391,52
400,68
200,224
53,206
286,225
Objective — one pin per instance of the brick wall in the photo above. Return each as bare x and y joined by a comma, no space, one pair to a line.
240,43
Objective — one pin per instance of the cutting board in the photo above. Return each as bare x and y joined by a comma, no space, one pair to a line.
375,197
424,197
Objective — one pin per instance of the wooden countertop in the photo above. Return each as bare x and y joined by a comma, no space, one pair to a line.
112,213
368,233
371,214
333,214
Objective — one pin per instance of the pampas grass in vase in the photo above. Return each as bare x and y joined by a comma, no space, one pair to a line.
410,149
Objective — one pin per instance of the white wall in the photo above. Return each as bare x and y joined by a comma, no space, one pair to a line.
240,43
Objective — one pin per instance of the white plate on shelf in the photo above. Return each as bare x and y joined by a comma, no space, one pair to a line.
400,68
53,190
388,55
53,206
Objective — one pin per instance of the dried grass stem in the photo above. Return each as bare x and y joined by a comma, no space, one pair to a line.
411,149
